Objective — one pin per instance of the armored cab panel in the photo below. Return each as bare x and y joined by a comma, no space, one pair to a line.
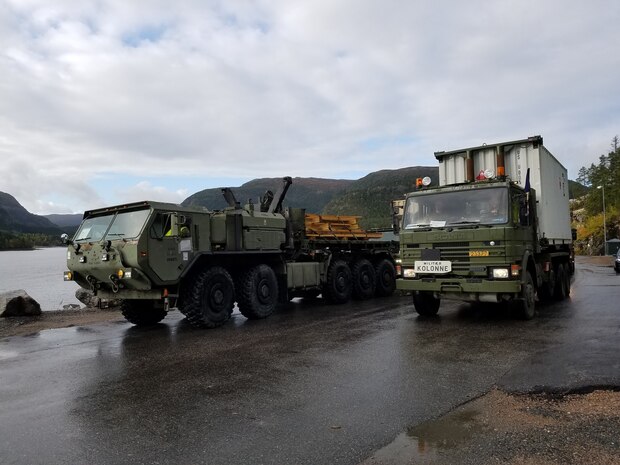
547,176
263,231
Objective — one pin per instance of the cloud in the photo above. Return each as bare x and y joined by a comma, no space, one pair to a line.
245,89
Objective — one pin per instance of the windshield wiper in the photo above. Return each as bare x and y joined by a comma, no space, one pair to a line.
417,225
465,222
115,234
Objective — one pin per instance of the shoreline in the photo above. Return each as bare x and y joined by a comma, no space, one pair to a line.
55,319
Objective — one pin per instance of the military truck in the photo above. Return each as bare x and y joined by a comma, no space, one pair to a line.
496,229
156,256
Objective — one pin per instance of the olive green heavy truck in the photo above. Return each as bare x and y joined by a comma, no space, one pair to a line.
157,256
496,229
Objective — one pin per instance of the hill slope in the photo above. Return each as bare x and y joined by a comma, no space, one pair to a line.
15,218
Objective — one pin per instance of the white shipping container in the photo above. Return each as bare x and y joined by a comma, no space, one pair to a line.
547,177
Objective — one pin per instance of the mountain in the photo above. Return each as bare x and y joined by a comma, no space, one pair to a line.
71,221
370,196
15,218
309,193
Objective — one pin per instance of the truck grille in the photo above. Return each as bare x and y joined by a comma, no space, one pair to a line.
457,253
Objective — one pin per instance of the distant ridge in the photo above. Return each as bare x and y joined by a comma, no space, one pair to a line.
309,193
69,220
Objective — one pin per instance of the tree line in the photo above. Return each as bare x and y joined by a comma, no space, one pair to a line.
21,241
602,179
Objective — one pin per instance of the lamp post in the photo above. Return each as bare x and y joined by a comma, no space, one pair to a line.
604,223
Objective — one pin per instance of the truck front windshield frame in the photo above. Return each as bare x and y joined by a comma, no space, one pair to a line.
487,206
114,226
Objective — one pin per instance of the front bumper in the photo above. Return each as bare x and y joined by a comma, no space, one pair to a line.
469,289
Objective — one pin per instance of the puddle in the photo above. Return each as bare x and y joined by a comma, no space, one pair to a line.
428,442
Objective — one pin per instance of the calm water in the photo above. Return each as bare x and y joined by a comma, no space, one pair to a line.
39,273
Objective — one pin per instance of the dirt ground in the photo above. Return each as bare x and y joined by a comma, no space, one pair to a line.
501,428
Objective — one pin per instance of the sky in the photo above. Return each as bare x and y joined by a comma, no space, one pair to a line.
112,101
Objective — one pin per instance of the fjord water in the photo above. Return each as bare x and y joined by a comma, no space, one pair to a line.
39,273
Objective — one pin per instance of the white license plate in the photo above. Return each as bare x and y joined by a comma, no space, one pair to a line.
438,267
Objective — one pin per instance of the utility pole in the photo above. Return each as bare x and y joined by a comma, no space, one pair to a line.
604,222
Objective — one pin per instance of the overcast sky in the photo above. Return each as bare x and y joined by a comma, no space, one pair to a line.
104,102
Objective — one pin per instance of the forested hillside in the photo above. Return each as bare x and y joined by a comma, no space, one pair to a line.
15,218
370,196
600,179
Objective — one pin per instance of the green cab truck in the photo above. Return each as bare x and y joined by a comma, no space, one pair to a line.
155,256
495,229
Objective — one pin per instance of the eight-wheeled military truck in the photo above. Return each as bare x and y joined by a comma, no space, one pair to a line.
497,229
155,256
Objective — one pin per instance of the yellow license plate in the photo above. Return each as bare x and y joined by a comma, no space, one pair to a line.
478,253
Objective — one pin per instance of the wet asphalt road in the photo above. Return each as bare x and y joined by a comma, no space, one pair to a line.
313,384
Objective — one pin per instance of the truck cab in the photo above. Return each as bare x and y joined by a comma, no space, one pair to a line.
488,238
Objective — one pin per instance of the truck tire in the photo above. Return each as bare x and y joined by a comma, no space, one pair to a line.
258,295
338,285
142,312
364,279
210,302
526,305
386,278
568,275
425,303
561,291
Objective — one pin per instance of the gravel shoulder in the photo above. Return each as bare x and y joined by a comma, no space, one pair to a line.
515,429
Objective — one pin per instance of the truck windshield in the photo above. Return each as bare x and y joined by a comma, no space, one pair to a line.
124,225
475,206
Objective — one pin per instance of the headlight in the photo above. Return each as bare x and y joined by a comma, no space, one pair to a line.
500,273
123,274
408,273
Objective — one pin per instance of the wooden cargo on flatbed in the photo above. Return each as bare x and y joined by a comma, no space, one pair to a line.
343,227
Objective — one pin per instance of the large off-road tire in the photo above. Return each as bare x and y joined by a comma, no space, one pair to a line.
142,312
338,285
568,277
210,298
258,294
526,305
561,289
425,303
364,279
386,278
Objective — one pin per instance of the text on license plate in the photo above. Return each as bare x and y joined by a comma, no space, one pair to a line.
426,266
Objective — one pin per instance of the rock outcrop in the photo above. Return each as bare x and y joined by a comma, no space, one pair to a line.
18,303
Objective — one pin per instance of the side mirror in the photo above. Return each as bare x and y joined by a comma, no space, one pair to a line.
64,237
